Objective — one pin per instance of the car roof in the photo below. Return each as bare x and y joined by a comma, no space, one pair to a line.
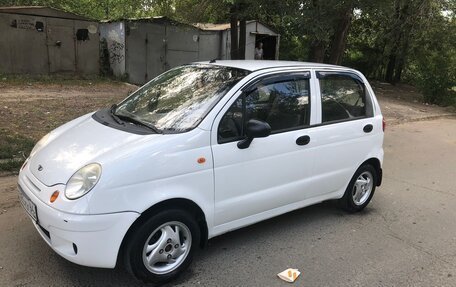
255,65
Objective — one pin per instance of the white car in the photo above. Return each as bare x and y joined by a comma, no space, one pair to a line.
199,151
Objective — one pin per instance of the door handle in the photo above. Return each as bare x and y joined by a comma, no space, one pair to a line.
368,128
303,140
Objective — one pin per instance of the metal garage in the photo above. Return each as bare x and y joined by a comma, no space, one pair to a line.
43,40
140,49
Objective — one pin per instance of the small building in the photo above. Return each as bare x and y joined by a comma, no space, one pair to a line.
140,49
256,32
43,40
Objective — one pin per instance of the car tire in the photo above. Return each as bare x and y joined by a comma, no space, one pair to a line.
360,190
162,247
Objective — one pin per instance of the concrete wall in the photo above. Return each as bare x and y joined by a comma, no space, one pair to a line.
114,34
42,45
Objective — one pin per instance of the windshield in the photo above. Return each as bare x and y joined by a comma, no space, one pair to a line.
180,98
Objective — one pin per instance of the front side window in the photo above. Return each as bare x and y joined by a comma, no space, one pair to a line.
342,98
178,100
283,104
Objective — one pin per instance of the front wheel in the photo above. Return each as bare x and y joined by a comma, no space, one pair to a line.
162,247
360,189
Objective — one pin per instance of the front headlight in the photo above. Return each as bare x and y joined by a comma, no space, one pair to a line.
83,181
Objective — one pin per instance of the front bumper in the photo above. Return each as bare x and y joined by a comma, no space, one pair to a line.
89,240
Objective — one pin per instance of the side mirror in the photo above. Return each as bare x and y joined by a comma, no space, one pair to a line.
255,129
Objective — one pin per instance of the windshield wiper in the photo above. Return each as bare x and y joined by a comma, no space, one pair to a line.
114,116
133,120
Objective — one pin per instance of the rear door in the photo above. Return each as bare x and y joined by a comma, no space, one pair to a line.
347,131
273,172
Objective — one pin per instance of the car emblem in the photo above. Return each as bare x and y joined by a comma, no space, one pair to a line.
40,167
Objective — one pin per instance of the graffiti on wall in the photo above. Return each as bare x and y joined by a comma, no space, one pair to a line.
116,52
27,24
113,45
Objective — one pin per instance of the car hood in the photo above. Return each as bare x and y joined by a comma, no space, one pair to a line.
76,144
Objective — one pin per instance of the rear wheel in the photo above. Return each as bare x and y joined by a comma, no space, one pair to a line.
162,247
360,189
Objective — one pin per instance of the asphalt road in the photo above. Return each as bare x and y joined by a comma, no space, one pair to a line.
405,237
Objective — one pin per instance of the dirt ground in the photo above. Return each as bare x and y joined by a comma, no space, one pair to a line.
29,110
403,103
33,109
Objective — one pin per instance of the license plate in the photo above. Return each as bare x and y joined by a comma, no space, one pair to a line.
28,205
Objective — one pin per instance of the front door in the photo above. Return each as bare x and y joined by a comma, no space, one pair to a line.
272,172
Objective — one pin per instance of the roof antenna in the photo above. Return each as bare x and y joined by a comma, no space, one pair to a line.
213,60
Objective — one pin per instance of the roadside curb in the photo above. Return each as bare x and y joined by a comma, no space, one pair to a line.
396,122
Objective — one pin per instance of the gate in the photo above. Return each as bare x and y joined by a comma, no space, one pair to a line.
61,50
151,49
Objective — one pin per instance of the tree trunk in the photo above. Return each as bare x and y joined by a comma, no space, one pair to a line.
395,64
390,67
400,63
317,51
234,33
340,37
402,56
242,38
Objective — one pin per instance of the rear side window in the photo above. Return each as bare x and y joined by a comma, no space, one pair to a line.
283,104
343,97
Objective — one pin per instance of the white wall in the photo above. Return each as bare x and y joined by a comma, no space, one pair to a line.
114,33
254,27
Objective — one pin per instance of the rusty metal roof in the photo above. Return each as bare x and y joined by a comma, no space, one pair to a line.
161,20
212,27
42,11
224,26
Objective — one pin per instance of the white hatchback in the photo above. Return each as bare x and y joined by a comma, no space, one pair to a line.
201,150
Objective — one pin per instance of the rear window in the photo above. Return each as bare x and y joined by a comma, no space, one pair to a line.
342,98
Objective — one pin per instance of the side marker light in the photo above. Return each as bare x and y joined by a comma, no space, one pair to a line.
54,196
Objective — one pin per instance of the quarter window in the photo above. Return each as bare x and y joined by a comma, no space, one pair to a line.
283,104
342,98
